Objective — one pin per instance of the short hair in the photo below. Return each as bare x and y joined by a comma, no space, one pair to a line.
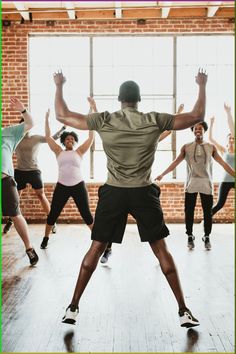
129,92
21,120
64,135
204,124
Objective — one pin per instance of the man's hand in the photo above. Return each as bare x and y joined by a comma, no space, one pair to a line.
16,104
180,108
159,178
201,78
47,114
92,104
212,120
227,108
59,78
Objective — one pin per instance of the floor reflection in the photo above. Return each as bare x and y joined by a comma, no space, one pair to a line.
68,340
192,339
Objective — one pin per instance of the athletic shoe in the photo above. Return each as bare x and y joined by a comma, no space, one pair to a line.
7,226
44,243
186,319
54,229
70,315
106,255
190,244
33,257
206,240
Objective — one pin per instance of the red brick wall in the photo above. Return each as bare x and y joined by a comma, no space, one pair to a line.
172,201
15,83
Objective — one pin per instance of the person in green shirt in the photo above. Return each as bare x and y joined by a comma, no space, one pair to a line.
11,136
129,140
108,251
27,170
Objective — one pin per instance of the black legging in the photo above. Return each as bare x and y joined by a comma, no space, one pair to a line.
224,189
62,194
190,202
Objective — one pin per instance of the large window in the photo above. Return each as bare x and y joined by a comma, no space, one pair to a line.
216,55
163,66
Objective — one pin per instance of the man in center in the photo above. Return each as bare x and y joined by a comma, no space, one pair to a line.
129,140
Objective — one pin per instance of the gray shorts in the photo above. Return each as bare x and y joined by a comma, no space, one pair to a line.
10,197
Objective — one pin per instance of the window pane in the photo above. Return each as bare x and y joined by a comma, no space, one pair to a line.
161,162
147,60
216,55
100,169
45,57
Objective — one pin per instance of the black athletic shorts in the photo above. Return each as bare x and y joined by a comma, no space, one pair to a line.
114,205
10,197
32,177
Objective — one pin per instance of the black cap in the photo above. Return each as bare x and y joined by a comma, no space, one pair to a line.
129,92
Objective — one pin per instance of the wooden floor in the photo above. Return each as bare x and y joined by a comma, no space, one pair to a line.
128,306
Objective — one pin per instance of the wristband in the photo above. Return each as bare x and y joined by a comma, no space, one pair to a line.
24,111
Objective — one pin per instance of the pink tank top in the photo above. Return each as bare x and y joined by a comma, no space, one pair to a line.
69,163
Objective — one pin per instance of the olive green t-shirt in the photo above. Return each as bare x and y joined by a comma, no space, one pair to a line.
129,140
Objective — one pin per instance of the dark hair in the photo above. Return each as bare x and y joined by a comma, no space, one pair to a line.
64,135
204,124
21,120
129,92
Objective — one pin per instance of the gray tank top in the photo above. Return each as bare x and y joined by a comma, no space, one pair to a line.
199,168
229,158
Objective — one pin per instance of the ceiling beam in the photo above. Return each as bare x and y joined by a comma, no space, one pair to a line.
118,9
22,9
70,9
211,10
165,9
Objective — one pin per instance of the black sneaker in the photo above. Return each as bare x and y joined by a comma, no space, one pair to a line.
7,226
70,315
54,229
186,319
190,244
33,257
206,240
106,255
44,243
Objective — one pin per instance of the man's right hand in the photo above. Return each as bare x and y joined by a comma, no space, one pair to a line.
227,108
59,78
201,78
16,104
47,114
212,120
159,178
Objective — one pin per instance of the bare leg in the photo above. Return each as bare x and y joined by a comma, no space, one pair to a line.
169,270
87,268
22,229
43,200
48,229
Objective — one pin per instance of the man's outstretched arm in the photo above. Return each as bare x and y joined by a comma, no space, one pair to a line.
229,119
17,105
63,114
188,119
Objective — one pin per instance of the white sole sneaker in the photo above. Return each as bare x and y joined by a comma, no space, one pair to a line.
105,257
70,316
207,243
190,243
187,320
